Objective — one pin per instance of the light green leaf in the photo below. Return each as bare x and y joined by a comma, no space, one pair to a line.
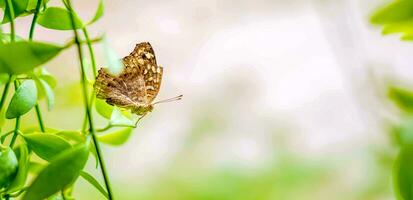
118,119
6,37
75,136
19,181
89,178
45,145
403,98
23,100
397,11
31,7
19,7
45,90
113,63
35,167
34,54
117,137
61,172
403,173
59,19
103,108
98,13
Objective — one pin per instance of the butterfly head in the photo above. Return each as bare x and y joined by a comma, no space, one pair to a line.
142,110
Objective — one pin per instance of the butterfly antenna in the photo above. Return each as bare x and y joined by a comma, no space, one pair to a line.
169,100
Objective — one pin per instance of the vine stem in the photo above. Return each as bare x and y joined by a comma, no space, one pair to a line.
31,33
10,13
86,102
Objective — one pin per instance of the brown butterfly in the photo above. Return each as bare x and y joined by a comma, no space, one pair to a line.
137,85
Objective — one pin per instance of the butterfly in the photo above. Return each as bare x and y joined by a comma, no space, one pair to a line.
137,85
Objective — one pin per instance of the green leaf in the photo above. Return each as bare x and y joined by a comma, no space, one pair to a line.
31,7
98,13
8,166
103,108
113,62
35,167
117,137
61,172
89,178
45,90
403,98
118,119
398,11
23,100
34,54
403,173
6,37
45,145
75,136
59,19
19,7
20,179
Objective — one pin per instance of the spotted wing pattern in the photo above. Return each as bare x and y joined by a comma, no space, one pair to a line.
137,85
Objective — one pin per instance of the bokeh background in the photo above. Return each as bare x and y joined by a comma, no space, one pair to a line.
282,99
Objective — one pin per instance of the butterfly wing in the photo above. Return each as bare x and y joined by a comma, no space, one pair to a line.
137,85
144,56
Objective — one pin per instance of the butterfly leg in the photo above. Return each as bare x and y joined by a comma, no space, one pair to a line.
136,123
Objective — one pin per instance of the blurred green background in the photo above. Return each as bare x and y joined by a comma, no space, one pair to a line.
282,99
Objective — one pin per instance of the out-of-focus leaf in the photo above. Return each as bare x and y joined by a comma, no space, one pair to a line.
118,119
45,145
103,108
98,13
113,62
19,7
403,98
35,167
45,90
89,178
59,19
31,7
23,169
397,11
23,100
34,54
62,171
6,37
403,174
8,167
117,137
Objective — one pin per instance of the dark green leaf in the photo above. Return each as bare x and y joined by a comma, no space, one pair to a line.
20,179
19,7
8,166
403,173
23,100
34,54
59,19
117,137
62,171
45,145
98,13
403,98
89,178
103,108
398,11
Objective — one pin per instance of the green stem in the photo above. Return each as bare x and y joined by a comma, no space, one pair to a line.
32,26
91,52
87,107
17,125
10,13
34,20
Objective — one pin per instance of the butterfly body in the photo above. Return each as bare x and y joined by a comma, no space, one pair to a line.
136,86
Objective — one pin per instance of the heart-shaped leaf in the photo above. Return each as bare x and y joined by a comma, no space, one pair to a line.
58,19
